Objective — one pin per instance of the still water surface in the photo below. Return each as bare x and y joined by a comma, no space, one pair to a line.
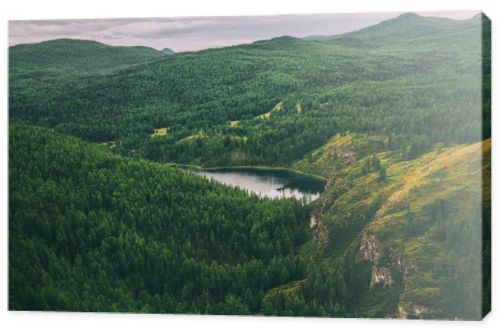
267,182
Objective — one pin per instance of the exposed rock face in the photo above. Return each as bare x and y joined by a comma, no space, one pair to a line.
313,221
399,269
403,267
412,310
381,276
370,248
321,233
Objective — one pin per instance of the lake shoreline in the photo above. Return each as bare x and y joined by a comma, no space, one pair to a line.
271,182
249,167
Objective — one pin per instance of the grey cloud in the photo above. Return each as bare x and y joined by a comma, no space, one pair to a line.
194,33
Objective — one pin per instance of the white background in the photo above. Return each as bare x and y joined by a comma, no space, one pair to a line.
37,322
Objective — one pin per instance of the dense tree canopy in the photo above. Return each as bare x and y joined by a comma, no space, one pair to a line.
269,102
387,114
92,231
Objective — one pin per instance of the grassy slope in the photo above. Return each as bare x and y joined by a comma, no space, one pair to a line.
412,224
417,230
339,151
395,217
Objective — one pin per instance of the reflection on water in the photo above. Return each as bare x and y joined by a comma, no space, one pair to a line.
268,183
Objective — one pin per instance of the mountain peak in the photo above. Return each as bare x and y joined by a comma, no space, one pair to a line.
168,51
408,15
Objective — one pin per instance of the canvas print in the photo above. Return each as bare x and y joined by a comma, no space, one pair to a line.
329,165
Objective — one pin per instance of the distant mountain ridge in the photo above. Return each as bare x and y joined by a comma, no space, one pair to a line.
391,115
409,24
74,54
401,29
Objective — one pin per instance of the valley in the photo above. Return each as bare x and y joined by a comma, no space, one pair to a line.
340,176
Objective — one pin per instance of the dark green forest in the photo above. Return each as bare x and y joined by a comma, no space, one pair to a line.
395,117
266,103
92,231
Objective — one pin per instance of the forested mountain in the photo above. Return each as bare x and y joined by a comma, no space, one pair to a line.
74,56
396,118
239,105
407,234
408,31
92,231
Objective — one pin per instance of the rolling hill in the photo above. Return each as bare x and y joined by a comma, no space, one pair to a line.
410,228
73,55
93,231
396,118
409,31
335,87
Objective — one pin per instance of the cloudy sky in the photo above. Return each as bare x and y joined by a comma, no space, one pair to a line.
196,33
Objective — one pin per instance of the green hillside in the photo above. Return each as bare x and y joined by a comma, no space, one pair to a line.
75,56
409,31
407,233
417,96
92,231
395,117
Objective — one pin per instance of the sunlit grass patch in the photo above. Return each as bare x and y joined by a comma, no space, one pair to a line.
277,108
264,116
160,132
298,108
